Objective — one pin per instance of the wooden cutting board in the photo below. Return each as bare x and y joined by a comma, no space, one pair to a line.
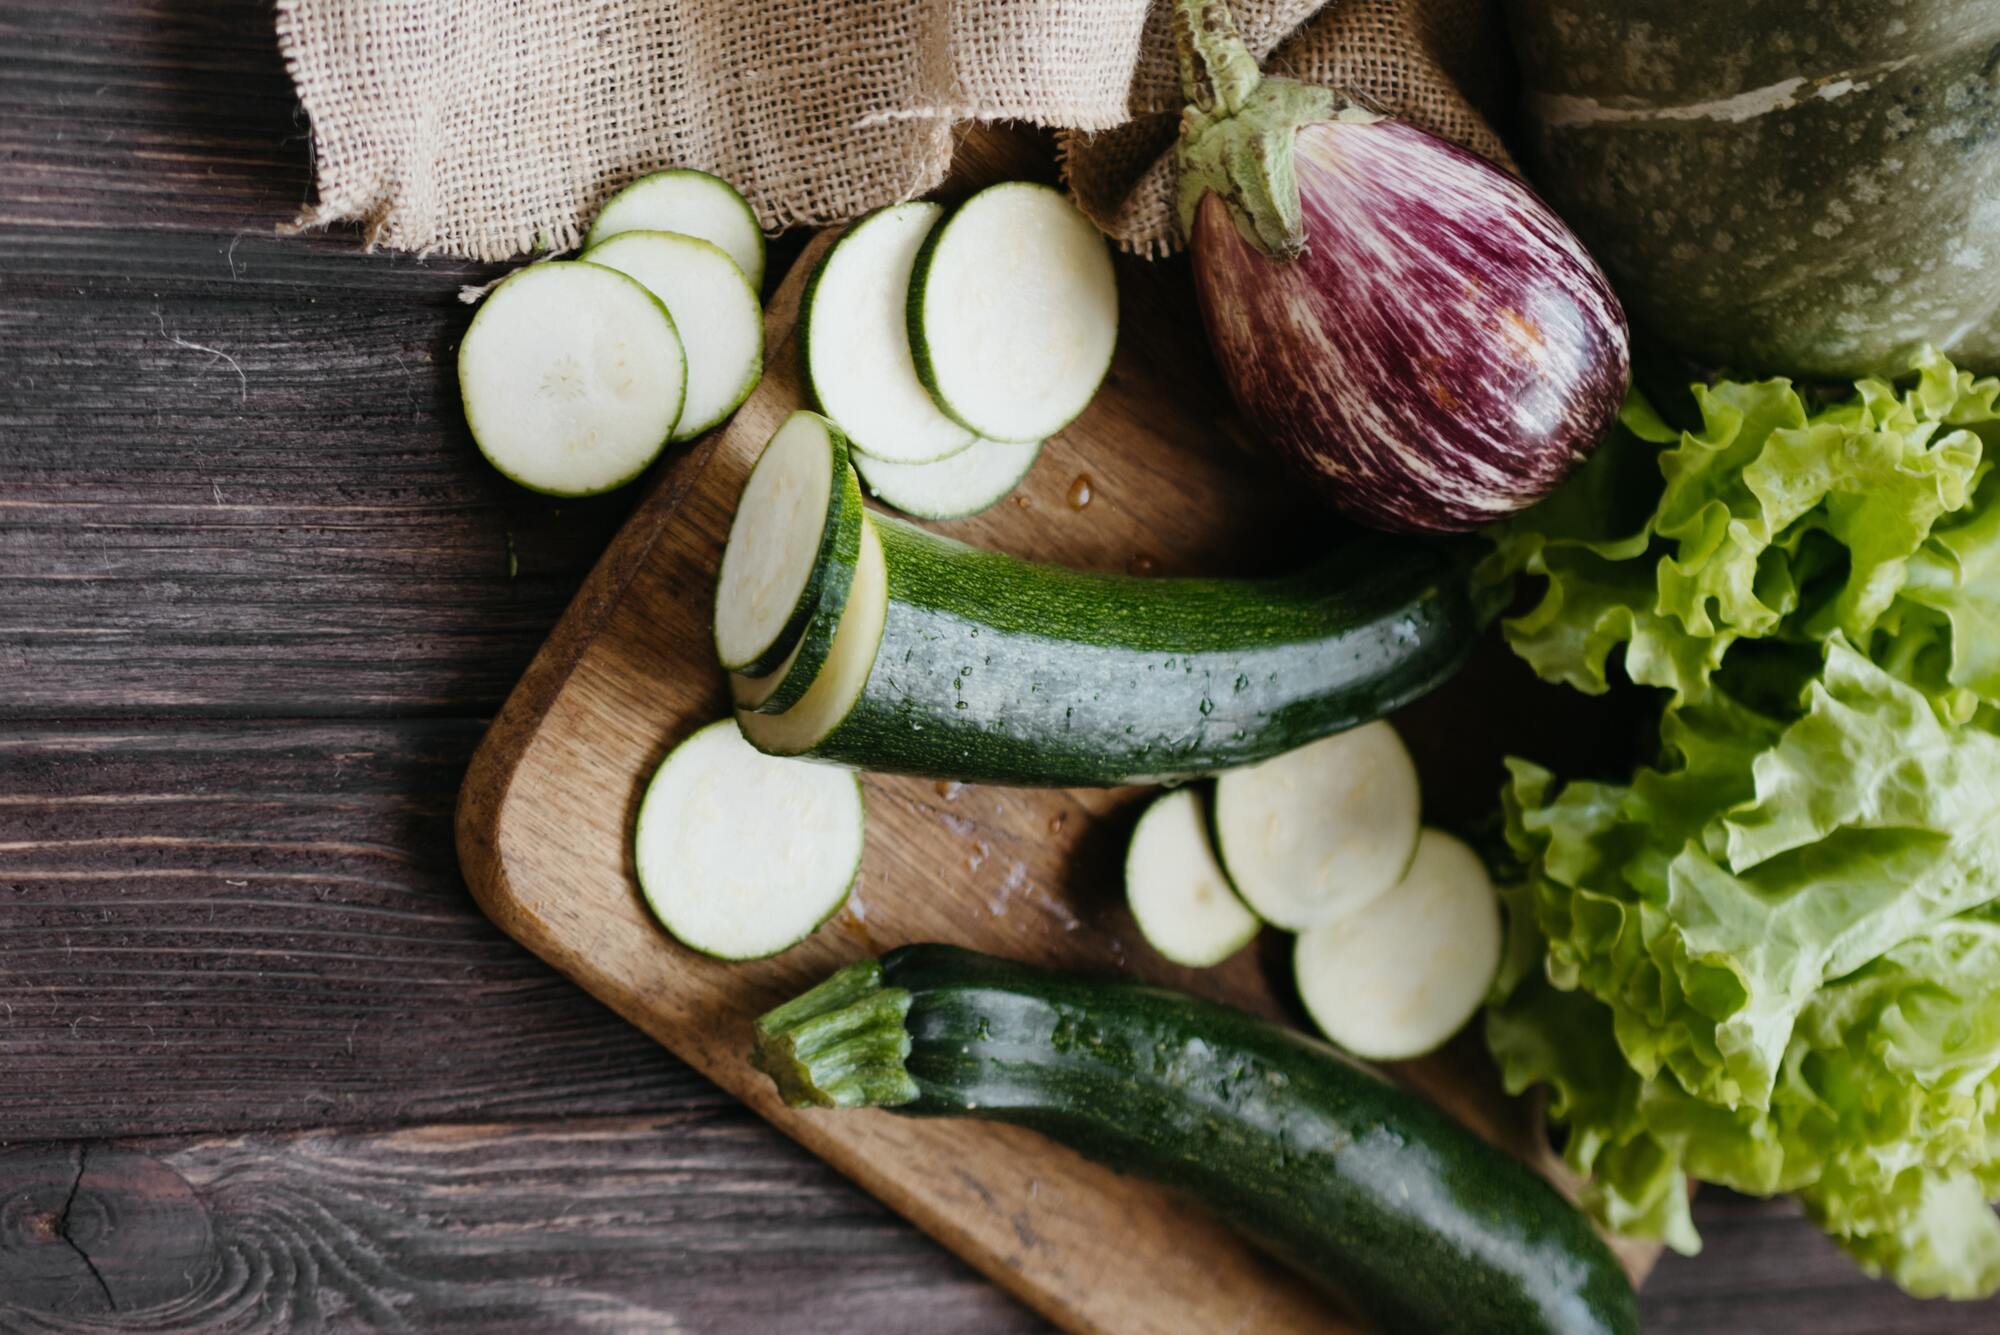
1151,478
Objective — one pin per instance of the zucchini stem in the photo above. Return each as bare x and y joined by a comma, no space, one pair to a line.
840,1045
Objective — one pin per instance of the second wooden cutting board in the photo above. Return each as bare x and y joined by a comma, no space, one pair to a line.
1149,479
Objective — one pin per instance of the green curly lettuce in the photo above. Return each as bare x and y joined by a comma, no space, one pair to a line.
1767,523
1771,958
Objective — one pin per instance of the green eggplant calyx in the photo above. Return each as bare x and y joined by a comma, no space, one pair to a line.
841,1044
1239,129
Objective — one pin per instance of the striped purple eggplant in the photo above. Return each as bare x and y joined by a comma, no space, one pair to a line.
1404,322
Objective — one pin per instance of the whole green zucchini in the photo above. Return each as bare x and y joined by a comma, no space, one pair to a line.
1372,1193
1779,188
998,670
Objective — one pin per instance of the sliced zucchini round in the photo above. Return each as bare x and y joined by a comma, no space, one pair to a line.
776,691
715,309
740,854
854,340
1315,834
692,203
572,378
974,479
756,692
1177,891
1399,977
838,685
792,513
1013,312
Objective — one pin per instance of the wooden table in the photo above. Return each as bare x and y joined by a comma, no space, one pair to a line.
262,1064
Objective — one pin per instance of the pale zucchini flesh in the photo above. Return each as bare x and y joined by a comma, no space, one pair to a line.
1177,891
1399,977
838,685
1317,833
715,309
1013,312
690,202
789,511
741,854
778,690
572,378
854,337
752,692
974,479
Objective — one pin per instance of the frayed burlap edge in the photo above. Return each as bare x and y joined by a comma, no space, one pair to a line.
403,96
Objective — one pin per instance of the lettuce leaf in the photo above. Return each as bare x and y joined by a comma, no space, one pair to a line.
1767,523
1771,958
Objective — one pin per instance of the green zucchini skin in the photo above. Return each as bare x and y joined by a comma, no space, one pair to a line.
1374,1194
998,670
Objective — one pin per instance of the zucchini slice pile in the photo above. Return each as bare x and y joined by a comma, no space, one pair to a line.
797,525
692,203
1399,925
574,383
949,346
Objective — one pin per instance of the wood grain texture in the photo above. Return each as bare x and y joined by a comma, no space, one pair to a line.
1029,873
249,925
1764,1269
234,475
696,1221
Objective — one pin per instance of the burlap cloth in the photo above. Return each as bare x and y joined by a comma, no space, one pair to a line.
488,128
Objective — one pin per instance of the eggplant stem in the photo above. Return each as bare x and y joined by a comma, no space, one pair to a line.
1237,134
1218,73
1238,129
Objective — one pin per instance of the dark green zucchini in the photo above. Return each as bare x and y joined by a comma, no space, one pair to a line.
1371,1192
994,669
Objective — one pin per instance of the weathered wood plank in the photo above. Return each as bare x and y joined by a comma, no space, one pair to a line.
694,1221
235,476
1764,1268
264,505
146,147
154,114
320,538
237,925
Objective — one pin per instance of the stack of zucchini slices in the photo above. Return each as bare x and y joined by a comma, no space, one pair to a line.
576,373
949,346
1398,926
